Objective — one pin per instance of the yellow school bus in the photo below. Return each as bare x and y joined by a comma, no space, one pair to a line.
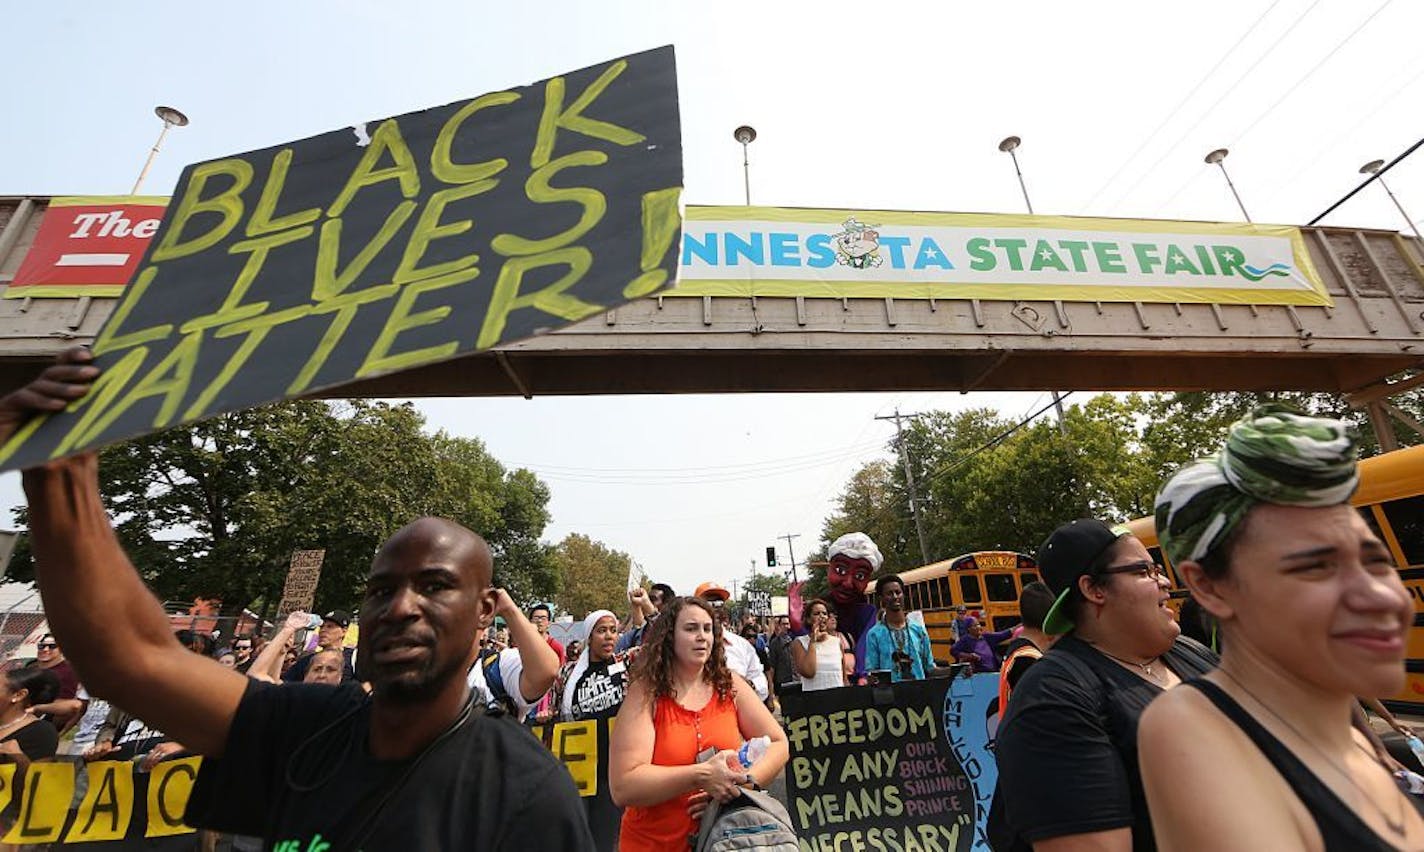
1391,500
987,582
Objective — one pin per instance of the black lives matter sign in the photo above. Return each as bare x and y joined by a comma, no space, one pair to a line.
385,246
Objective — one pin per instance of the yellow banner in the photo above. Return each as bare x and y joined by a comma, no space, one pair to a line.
771,251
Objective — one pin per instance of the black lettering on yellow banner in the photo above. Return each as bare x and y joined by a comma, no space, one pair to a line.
107,807
386,246
169,784
48,790
583,749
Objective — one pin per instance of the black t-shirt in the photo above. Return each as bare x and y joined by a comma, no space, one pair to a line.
296,767
600,691
778,650
38,740
298,672
1067,749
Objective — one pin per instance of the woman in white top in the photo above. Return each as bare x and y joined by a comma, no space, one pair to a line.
817,657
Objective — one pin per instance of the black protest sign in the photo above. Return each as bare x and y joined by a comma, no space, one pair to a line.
388,245
884,768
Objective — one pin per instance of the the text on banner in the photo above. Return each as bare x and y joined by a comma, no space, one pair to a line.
897,768
768,251
303,574
388,245
87,246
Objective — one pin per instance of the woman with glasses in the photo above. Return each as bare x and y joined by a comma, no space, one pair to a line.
1067,747
1313,613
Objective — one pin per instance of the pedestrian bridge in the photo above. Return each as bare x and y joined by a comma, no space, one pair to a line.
729,344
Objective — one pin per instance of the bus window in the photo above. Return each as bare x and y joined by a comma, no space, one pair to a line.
1001,587
916,593
1406,518
1028,577
969,589
941,592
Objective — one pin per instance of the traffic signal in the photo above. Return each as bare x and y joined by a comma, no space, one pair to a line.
771,557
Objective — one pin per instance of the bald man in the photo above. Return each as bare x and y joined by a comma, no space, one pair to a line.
417,764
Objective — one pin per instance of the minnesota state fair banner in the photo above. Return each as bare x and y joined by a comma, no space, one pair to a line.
772,251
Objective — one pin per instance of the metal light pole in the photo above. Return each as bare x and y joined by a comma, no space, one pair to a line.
746,134
1007,146
171,118
1372,167
1215,158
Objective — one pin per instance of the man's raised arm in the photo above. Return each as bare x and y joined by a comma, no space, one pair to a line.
111,626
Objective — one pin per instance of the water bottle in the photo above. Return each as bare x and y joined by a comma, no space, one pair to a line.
1416,746
753,749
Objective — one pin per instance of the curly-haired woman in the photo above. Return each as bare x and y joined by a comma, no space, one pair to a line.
681,702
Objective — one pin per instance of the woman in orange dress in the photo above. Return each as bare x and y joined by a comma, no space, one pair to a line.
682,701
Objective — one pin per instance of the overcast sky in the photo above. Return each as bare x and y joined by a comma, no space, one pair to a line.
897,105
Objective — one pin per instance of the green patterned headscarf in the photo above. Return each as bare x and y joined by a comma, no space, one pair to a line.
1273,455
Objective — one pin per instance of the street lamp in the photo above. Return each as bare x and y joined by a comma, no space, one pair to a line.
1008,145
1215,158
171,118
745,134
1373,167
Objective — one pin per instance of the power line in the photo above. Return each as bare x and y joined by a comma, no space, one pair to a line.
1352,126
951,467
1183,102
837,452
1230,90
1300,82
1372,178
1262,115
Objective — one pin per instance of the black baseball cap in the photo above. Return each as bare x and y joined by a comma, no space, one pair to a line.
338,617
1067,554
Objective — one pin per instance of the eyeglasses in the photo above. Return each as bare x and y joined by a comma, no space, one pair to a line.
1141,569
47,646
538,618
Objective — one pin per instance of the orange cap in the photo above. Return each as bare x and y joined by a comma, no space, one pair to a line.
712,590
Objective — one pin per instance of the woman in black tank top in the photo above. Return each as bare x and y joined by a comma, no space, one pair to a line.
1261,754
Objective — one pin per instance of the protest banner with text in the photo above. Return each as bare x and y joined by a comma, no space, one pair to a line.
120,805
387,245
902,768
299,592
582,747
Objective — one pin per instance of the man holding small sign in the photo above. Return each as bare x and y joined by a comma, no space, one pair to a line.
283,271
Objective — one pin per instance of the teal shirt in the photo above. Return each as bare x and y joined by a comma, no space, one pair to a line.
880,649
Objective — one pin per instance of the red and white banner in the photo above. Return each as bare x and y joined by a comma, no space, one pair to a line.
88,246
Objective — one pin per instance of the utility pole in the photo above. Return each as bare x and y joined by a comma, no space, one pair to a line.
910,481
790,551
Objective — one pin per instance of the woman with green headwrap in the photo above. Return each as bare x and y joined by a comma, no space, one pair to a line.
1261,754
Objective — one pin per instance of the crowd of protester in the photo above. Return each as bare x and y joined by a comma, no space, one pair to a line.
1118,729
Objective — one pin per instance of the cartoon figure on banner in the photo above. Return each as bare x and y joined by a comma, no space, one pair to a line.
858,246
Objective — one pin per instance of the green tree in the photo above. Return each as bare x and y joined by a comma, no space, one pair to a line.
592,574
215,509
773,583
